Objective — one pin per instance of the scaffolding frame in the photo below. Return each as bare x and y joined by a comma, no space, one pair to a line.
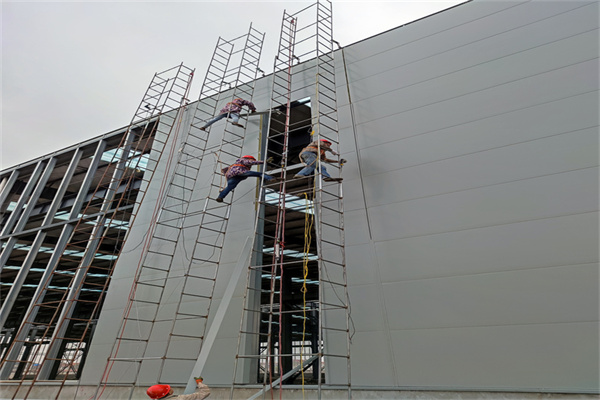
59,344
165,264
312,44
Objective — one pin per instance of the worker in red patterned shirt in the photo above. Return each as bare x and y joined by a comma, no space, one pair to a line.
231,110
238,172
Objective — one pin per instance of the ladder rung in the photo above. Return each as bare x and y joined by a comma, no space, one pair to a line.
206,278
155,268
213,230
156,236
332,243
150,284
200,296
205,260
209,245
134,359
335,329
187,336
334,355
333,262
144,320
192,315
134,339
333,306
145,301
160,253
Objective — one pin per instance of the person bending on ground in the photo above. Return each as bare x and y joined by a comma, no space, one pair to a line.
166,392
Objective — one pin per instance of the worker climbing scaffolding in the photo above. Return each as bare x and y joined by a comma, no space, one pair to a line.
231,110
312,155
297,273
238,172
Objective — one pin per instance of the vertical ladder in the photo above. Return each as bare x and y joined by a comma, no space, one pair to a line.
334,304
130,166
276,260
167,312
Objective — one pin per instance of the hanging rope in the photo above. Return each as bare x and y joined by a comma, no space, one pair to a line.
308,225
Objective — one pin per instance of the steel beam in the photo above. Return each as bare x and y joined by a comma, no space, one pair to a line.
210,337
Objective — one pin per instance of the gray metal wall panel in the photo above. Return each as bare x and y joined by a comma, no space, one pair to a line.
543,197
432,55
558,294
373,348
565,152
533,123
477,134
550,242
535,357
489,102
444,23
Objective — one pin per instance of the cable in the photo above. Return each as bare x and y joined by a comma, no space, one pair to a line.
308,225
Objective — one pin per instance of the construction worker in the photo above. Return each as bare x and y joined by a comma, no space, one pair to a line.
308,156
232,111
238,172
165,392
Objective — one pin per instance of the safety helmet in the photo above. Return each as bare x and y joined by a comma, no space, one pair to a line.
327,142
249,157
158,391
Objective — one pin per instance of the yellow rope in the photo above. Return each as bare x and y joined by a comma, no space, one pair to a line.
308,224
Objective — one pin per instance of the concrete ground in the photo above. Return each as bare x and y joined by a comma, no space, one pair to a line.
74,392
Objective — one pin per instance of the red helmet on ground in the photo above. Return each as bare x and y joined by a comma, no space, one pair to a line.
249,157
158,391
327,142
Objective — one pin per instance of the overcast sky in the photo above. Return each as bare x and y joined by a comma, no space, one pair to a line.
73,70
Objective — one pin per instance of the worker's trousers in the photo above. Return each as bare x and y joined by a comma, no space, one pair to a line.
233,116
235,180
310,160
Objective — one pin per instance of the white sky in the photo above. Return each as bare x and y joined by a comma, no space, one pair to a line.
73,70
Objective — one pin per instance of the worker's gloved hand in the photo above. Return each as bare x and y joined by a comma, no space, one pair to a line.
269,160
252,112
343,161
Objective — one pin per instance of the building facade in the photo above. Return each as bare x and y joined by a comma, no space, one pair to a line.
470,205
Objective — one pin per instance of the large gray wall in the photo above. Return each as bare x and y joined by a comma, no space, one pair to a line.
477,134
471,199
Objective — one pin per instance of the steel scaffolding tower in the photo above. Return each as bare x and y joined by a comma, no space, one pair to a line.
163,334
299,241
86,253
